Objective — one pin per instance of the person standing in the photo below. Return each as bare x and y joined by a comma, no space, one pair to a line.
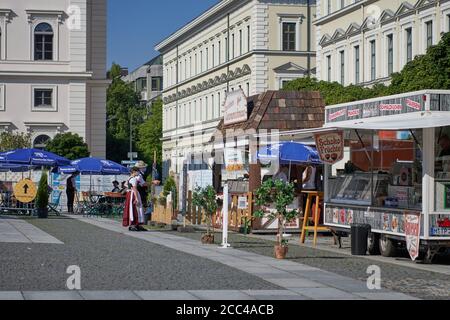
133,215
142,183
71,189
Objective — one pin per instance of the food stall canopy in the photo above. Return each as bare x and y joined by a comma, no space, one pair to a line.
34,157
290,153
417,120
94,166
5,167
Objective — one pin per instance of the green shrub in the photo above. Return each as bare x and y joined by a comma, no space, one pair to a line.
42,193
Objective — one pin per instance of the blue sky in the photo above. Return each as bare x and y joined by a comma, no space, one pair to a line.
135,26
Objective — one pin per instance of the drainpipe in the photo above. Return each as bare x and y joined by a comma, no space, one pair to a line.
309,21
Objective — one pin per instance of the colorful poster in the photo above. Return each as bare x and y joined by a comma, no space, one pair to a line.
330,146
412,232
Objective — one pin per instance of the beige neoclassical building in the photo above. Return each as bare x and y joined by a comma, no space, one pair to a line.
252,45
365,41
53,69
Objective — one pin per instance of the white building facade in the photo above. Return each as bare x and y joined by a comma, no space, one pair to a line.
53,69
364,41
249,45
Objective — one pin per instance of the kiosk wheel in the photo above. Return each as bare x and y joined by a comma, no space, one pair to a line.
387,247
373,244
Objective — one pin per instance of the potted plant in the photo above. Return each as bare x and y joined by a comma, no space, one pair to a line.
42,197
246,225
205,199
281,195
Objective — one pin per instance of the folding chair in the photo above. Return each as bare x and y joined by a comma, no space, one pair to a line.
53,206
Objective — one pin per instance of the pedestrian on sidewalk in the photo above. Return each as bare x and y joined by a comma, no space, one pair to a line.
133,215
71,189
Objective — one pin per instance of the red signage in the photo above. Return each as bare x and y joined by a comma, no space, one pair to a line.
337,114
391,107
412,232
413,104
330,146
353,113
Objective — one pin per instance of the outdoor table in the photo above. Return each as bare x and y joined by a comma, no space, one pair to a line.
318,195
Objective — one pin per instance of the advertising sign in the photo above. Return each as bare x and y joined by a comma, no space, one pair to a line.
412,232
242,203
233,159
235,108
25,191
330,146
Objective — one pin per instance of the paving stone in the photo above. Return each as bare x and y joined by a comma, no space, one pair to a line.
109,295
295,283
384,296
221,295
52,295
11,295
165,295
324,293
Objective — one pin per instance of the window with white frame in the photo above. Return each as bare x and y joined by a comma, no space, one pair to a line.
373,61
289,35
448,22
249,46
240,43
342,66
357,64
329,68
233,52
213,51
429,33
44,98
408,35
329,6
43,42
220,52
390,53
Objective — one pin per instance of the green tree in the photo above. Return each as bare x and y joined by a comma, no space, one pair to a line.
206,199
42,193
281,194
68,145
122,104
11,141
429,71
150,134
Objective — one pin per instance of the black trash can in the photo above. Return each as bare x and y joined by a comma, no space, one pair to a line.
360,233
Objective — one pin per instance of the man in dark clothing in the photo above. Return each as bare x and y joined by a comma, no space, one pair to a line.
71,189
444,143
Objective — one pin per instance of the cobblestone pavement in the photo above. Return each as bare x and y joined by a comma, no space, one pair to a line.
111,261
418,283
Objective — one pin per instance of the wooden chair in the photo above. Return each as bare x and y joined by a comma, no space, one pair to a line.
317,196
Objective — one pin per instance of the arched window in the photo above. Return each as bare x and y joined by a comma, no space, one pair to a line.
41,141
43,42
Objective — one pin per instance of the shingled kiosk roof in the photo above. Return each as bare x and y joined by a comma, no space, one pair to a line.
282,110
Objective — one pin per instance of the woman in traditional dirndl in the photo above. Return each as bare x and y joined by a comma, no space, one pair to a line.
133,215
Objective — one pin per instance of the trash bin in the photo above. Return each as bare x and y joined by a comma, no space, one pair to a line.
360,233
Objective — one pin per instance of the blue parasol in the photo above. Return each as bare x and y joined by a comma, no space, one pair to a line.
290,153
94,166
5,167
33,157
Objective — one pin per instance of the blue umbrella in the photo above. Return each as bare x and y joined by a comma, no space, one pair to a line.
94,166
34,157
290,153
5,167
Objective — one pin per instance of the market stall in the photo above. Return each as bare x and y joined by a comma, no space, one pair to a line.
388,166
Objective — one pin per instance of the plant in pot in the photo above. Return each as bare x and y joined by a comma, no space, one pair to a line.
205,199
42,197
246,225
280,194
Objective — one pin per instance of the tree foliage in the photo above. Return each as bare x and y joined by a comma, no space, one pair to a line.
429,71
150,134
206,200
11,141
281,194
121,105
68,145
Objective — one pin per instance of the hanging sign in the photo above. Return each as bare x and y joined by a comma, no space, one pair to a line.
235,108
25,191
234,160
412,232
330,146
